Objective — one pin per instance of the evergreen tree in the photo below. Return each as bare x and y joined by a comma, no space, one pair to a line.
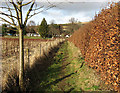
4,29
43,28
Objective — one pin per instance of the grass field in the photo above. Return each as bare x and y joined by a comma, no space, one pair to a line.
26,37
68,73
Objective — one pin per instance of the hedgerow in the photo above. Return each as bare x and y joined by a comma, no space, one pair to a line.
99,44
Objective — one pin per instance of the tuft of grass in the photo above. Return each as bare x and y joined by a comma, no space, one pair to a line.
94,88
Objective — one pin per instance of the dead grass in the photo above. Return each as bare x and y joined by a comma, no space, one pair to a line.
62,69
11,65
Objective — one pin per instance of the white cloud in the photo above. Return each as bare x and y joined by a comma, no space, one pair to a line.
68,0
83,11
63,12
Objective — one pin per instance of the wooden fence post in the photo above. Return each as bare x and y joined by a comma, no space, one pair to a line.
46,47
28,61
10,49
57,41
17,50
6,44
50,44
40,49
6,50
43,49
14,48
54,43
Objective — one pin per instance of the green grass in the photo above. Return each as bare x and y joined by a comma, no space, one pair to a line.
32,37
83,78
64,69
76,76
11,36
50,77
68,73
26,37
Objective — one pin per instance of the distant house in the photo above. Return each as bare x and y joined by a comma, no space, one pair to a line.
32,31
67,36
37,34
29,34
32,34
16,34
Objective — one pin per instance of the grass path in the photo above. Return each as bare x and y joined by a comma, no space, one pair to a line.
74,74
65,71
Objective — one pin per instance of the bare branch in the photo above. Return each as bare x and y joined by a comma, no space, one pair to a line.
12,2
16,10
10,13
30,9
27,3
41,11
7,8
37,8
7,21
7,15
50,3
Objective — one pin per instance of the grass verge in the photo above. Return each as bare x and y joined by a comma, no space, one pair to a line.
69,73
62,70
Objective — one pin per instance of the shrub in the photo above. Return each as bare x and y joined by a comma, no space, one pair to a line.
99,44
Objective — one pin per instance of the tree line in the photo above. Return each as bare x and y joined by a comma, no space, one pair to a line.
45,30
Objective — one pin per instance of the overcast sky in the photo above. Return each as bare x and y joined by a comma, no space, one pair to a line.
82,11
64,11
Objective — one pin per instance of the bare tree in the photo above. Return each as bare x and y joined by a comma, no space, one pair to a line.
17,21
73,20
31,27
51,31
74,26
31,23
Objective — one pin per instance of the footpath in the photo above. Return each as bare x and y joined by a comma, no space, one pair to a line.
66,71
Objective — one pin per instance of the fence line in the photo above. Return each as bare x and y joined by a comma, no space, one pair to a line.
10,60
11,47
